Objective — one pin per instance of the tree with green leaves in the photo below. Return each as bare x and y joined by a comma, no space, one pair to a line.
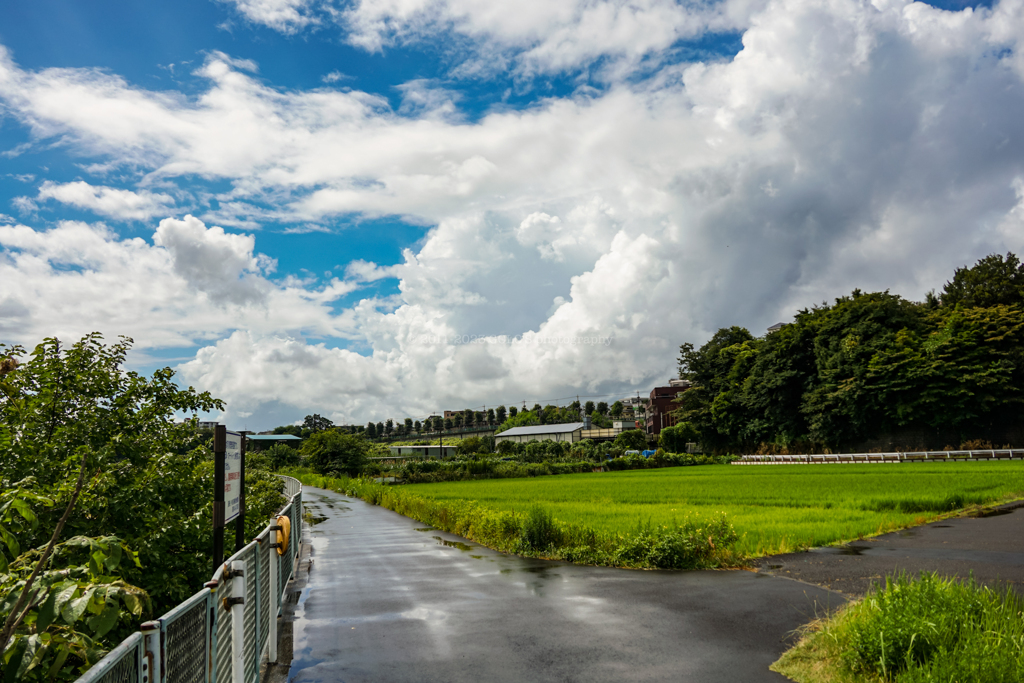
371,430
589,407
316,423
448,424
417,427
674,439
500,414
105,502
513,411
869,365
468,417
380,430
523,419
389,427
993,281
332,453
409,425
631,440
616,409
492,417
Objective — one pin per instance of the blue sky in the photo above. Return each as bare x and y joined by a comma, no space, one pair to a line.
374,210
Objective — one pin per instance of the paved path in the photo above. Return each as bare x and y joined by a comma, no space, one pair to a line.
989,548
386,600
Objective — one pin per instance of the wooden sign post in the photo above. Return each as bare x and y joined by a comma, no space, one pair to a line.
228,489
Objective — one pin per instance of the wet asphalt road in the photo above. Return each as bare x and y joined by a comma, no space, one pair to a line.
385,600
991,549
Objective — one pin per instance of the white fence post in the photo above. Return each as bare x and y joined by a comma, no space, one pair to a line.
238,621
275,558
151,660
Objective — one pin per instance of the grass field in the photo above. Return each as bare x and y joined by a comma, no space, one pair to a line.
774,508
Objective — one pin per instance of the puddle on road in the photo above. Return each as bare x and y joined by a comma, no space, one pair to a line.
312,515
942,526
452,544
852,550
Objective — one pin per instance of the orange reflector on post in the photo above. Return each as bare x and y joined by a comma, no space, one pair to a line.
283,534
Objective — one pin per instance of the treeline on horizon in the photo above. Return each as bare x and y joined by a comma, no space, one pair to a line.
601,414
871,366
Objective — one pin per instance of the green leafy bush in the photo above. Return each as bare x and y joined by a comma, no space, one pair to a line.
332,452
94,454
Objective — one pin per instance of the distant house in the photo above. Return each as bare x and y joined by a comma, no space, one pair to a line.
776,327
570,432
661,405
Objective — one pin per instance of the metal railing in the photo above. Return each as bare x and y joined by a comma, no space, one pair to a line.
222,633
860,458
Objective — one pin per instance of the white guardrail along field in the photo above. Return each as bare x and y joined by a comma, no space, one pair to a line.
861,458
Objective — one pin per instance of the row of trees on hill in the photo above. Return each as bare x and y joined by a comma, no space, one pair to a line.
500,417
869,365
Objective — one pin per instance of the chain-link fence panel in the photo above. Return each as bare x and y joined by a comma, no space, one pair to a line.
121,665
186,635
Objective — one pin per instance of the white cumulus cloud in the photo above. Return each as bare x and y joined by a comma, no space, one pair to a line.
574,244
107,201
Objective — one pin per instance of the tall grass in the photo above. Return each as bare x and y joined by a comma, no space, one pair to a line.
774,509
916,630
692,543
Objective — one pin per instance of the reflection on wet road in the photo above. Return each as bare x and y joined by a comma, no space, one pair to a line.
386,599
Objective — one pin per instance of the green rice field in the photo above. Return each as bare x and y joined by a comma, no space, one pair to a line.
777,508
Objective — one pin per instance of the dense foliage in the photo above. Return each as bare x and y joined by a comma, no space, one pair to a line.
866,366
106,508
917,630
333,452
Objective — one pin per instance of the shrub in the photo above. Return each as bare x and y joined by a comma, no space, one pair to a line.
539,531
332,452
281,455
631,440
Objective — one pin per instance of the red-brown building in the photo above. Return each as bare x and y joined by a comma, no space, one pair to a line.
659,410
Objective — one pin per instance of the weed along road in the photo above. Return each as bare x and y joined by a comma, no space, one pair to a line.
385,599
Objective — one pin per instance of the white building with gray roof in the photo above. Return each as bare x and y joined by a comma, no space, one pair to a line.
571,432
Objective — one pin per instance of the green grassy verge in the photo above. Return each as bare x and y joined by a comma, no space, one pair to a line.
690,543
774,509
912,631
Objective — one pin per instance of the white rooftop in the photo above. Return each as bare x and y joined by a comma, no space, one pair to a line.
543,429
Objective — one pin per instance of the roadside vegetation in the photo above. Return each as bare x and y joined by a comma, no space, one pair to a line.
690,542
775,509
915,631
105,503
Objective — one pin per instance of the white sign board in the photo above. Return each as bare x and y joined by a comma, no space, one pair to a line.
232,476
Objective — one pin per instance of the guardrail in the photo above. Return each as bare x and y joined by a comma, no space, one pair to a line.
221,633
861,458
